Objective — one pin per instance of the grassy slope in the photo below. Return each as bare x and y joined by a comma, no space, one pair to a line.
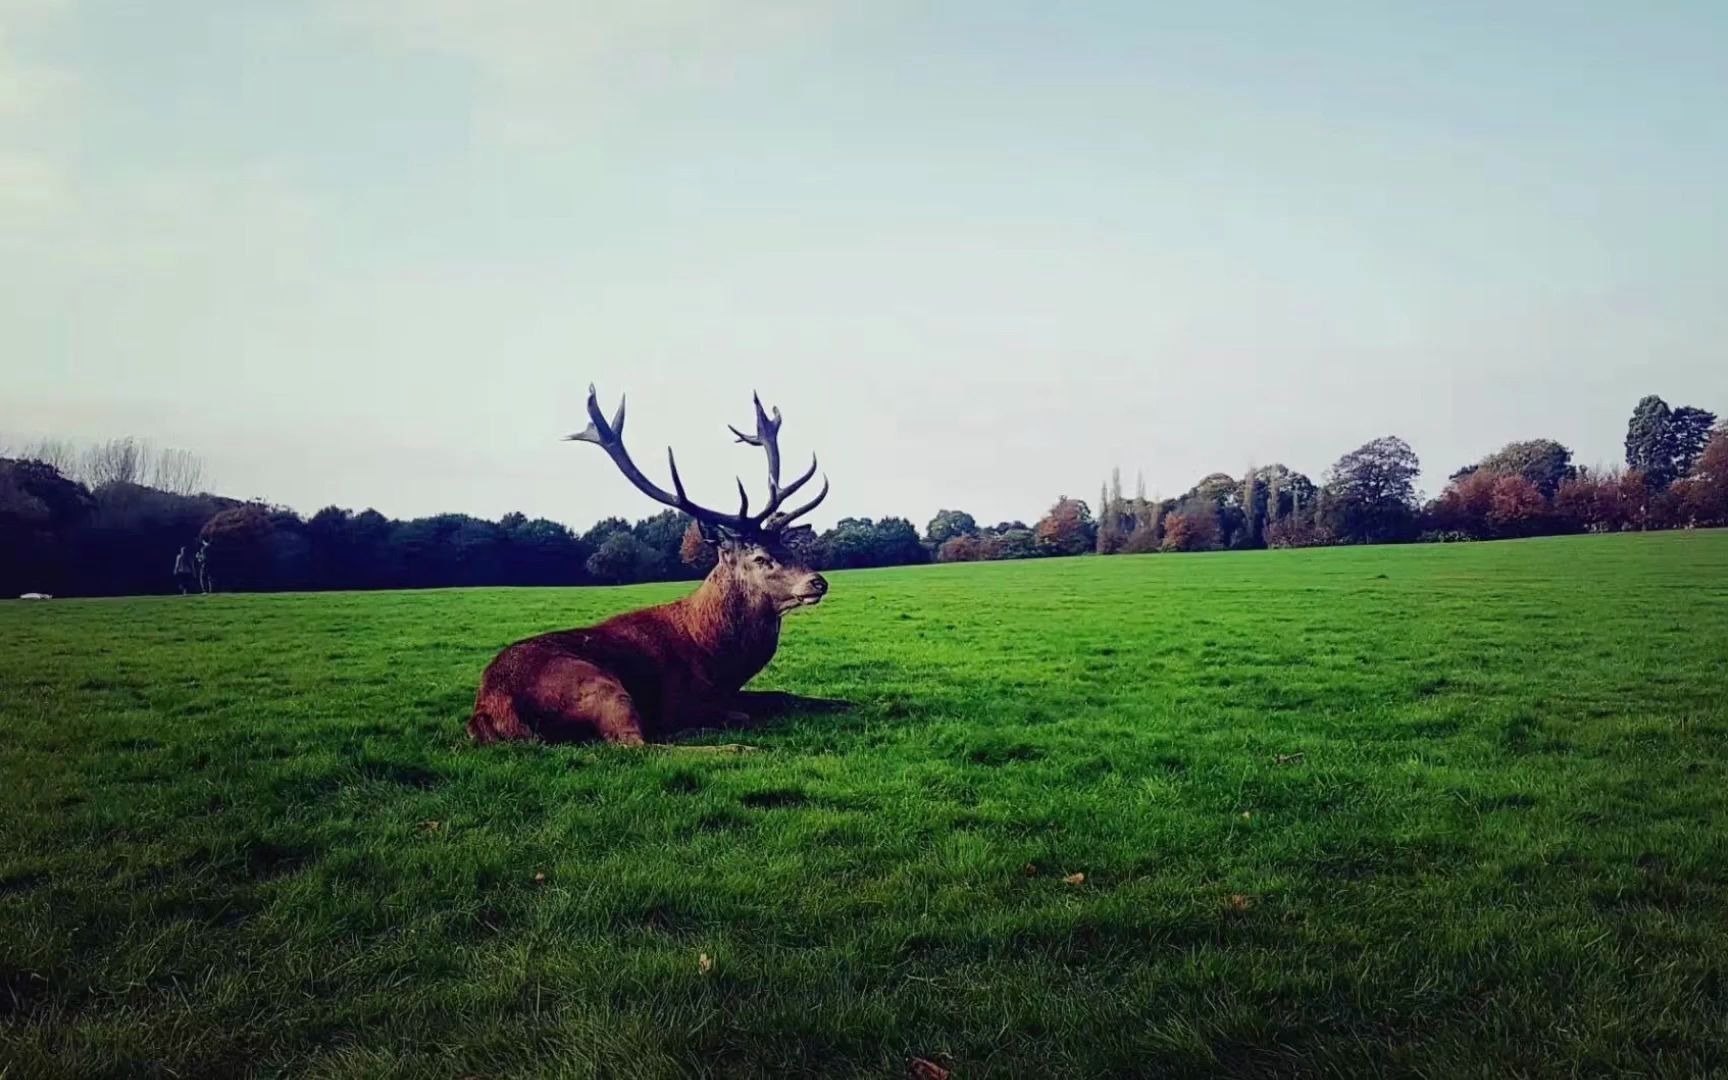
1503,849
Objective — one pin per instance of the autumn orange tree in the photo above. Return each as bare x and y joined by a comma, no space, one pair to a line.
1068,529
1704,495
1193,526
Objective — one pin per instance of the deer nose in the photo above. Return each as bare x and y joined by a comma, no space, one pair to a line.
818,584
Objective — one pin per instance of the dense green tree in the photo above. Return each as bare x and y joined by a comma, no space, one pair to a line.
369,536
542,552
897,543
1253,500
1662,444
1220,489
1543,462
1370,494
39,507
948,524
862,542
664,535
600,530
850,543
1690,428
1113,523
1285,491
329,533
1224,493
1648,448
622,559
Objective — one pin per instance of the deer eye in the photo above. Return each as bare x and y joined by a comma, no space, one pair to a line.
761,558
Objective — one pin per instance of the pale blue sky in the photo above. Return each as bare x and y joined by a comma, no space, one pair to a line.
372,252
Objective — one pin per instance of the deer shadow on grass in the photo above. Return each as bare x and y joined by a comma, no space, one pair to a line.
766,710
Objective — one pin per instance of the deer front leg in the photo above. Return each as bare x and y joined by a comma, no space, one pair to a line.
693,713
691,709
716,715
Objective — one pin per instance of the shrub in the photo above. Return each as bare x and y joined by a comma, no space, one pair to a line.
1142,541
1296,533
1010,544
1193,527
1516,507
962,548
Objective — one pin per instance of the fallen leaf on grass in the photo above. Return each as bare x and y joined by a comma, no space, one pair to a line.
1247,816
431,826
1290,759
1239,902
924,1069
704,963
1029,870
1075,879
539,878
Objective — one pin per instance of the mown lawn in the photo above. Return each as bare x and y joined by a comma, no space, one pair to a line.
1442,810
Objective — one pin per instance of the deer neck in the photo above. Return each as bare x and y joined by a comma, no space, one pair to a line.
733,623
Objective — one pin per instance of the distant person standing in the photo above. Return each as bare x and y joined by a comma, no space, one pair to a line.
203,560
183,575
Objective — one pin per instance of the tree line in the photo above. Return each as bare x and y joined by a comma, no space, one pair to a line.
109,520
1675,476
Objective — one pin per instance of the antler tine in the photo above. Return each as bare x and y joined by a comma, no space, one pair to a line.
764,426
782,520
598,431
781,494
677,481
790,489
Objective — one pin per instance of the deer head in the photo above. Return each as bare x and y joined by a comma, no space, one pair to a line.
751,551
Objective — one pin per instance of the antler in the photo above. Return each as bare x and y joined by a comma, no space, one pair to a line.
609,437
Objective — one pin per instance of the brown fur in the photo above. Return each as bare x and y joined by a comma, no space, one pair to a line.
643,675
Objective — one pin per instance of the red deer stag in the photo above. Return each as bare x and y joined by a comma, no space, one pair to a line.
642,675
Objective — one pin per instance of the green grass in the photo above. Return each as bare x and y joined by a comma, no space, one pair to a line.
245,834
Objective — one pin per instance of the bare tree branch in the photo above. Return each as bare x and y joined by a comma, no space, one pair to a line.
180,472
116,461
59,453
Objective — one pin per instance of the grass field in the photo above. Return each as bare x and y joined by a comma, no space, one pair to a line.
1444,810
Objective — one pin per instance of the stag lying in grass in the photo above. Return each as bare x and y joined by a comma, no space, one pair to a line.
643,675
